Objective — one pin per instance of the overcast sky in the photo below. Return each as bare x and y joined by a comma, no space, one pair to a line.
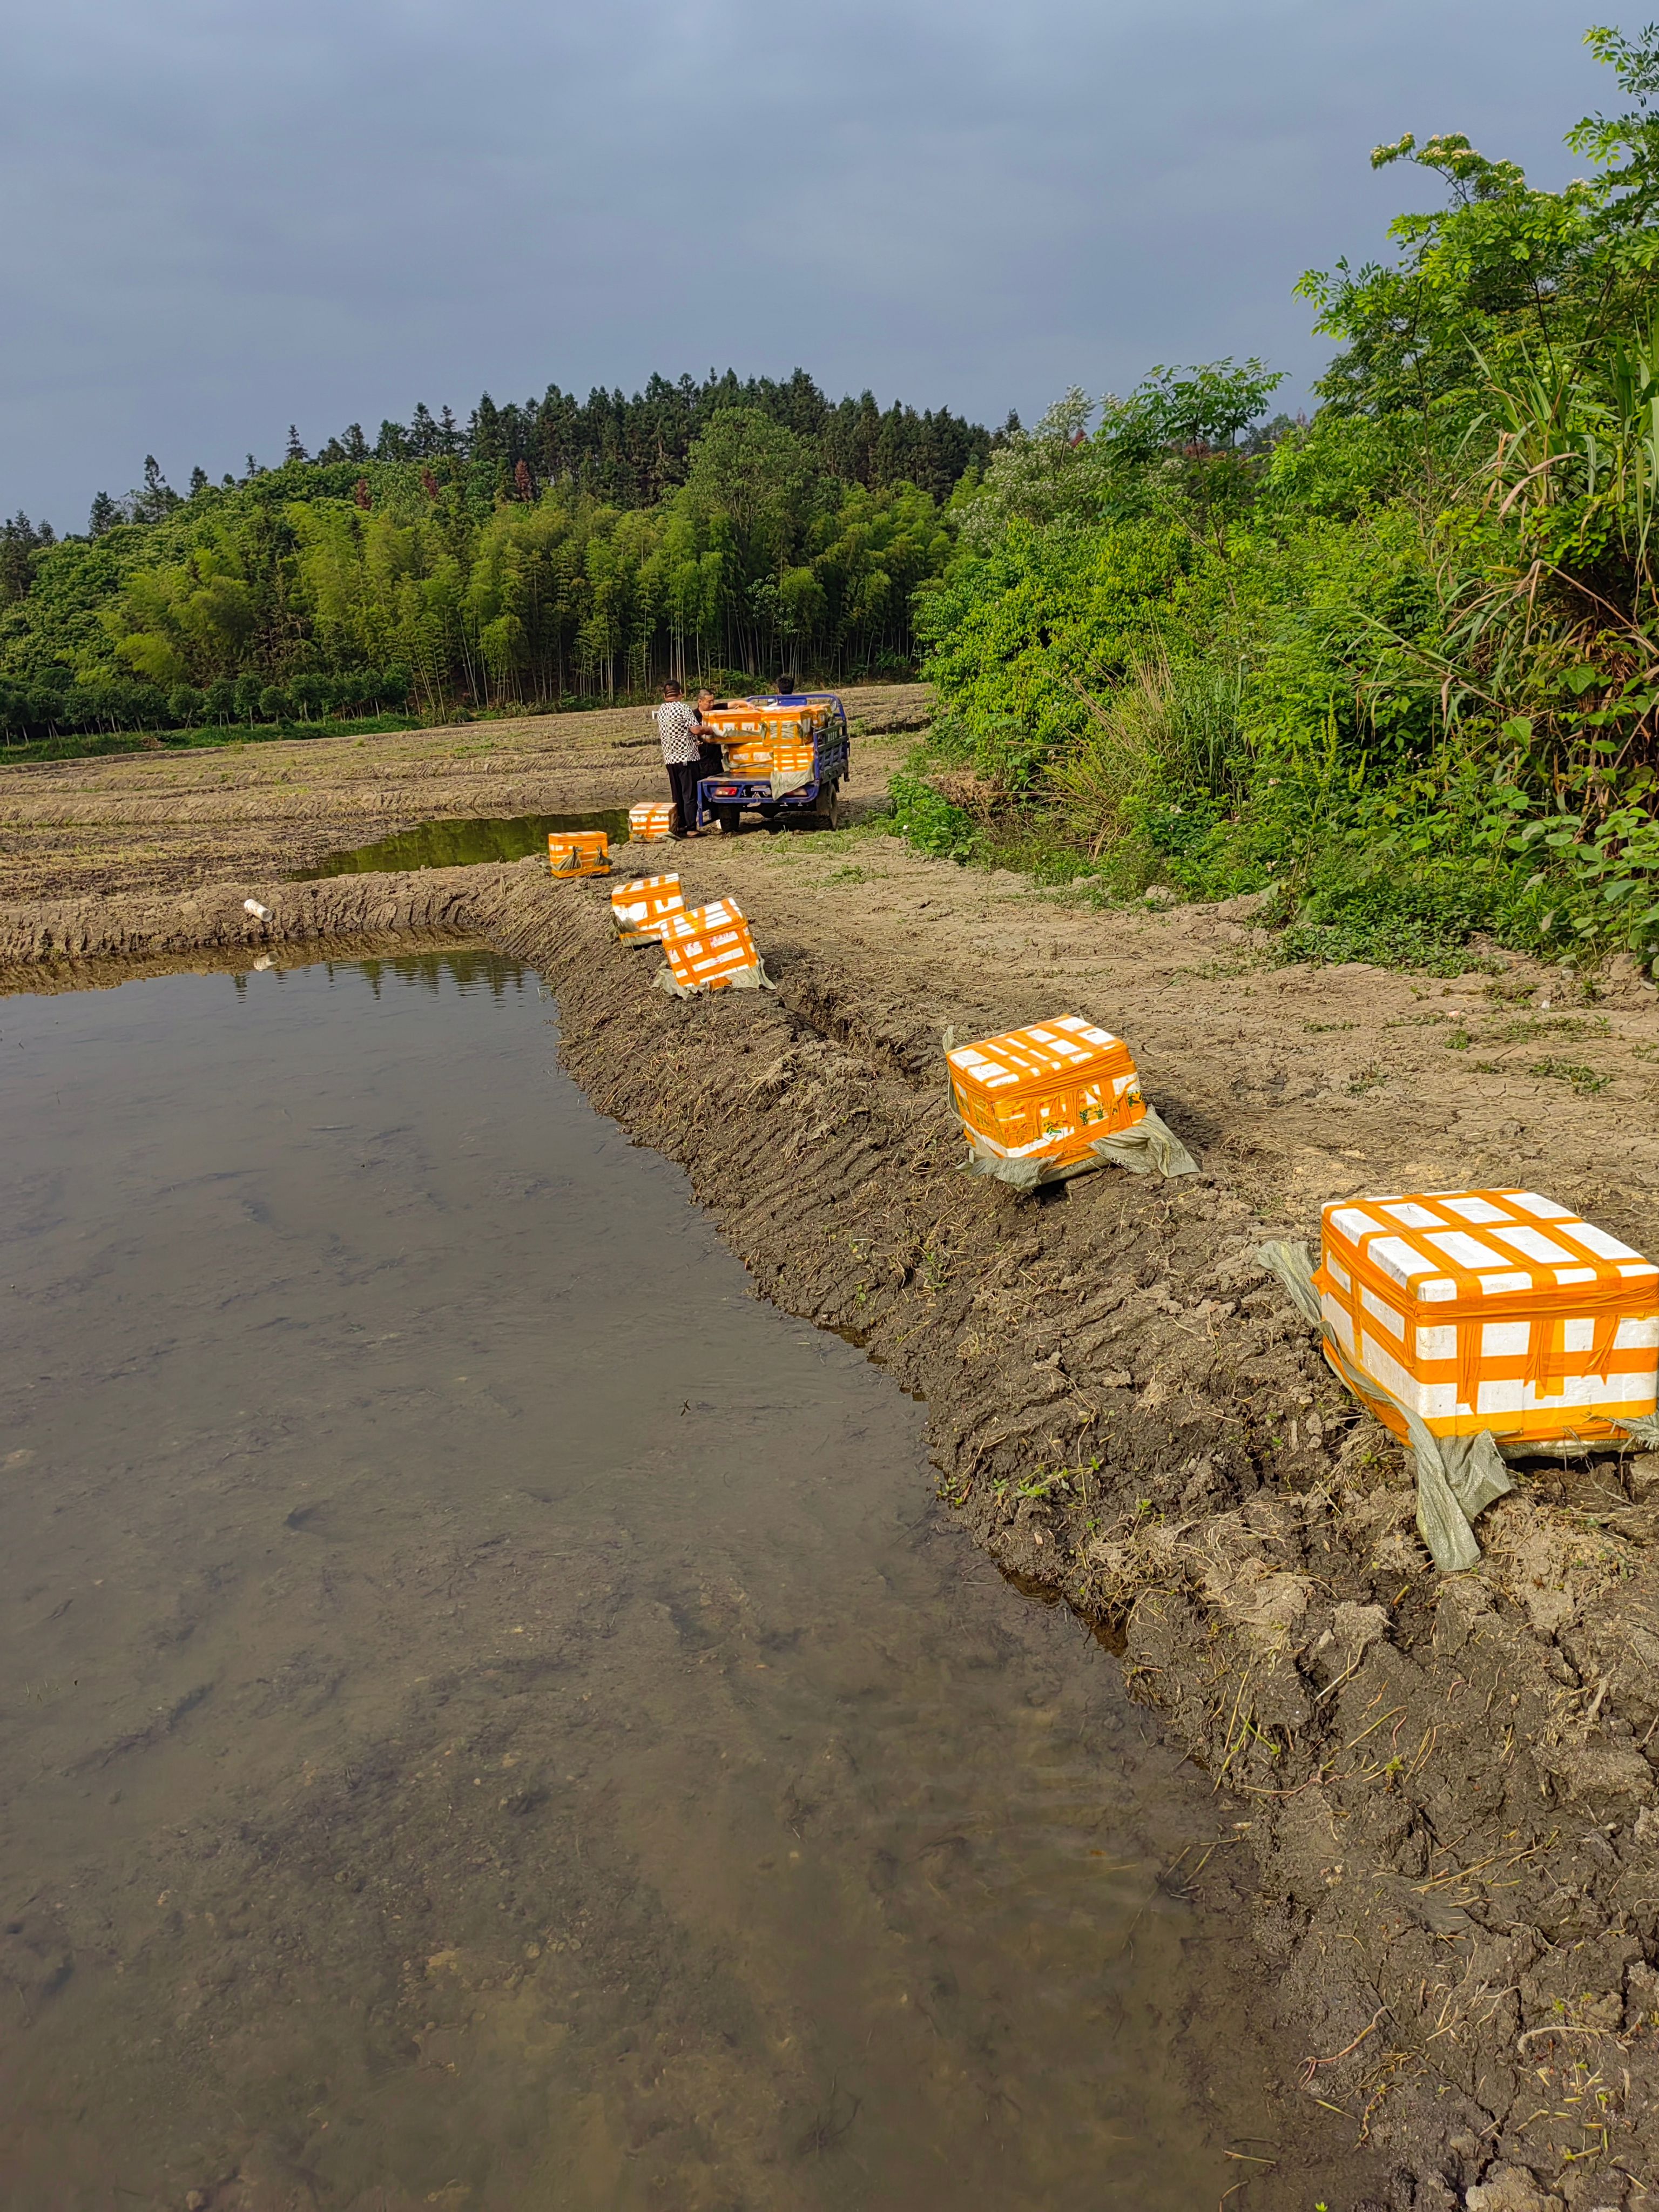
217,218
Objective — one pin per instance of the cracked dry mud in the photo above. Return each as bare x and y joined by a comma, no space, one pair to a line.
1444,1787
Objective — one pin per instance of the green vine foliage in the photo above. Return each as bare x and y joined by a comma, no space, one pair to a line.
1398,665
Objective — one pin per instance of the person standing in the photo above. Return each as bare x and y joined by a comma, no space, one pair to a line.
711,759
677,729
709,749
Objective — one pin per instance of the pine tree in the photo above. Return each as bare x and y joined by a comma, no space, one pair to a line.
157,498
356,445
485,439
18,539
296,451
198,480
104,515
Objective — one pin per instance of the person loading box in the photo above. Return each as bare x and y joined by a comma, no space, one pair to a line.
681,756
710,753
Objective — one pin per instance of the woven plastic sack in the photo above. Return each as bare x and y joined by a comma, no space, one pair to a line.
1149,1146
1457,1477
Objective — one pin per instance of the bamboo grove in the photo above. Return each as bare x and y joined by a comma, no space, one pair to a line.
537,554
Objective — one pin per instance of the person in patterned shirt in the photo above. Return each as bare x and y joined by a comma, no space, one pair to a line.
677,728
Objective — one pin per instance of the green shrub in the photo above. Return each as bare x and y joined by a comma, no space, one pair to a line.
1403,658
1366,906
930,823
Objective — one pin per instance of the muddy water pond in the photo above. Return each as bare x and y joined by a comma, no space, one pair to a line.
493,1714
460,841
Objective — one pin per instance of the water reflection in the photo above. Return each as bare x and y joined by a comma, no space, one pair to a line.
460,844
494,1717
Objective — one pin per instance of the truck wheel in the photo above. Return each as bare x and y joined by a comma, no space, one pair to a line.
772,816
825,808
727,816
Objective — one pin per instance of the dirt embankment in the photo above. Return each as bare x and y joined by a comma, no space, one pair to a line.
1448,1835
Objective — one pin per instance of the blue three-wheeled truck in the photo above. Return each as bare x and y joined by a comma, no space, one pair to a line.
783,756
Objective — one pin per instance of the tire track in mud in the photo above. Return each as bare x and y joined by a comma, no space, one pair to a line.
1448,1843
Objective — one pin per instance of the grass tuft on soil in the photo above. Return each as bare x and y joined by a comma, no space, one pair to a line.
1356,894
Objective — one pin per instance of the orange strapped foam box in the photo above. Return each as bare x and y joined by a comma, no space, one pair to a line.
753,754
776,757
736,718
578,853
709,947
650,818
1493,1309
640,908
742,717
1047,1093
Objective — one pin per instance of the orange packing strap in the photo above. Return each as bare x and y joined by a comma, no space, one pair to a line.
1546,1345
1607,1303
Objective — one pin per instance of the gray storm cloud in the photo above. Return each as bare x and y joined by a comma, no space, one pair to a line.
223,218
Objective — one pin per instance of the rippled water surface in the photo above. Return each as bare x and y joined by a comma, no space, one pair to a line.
493,1716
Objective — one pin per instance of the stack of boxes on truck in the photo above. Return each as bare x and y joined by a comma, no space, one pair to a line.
777,755
769,741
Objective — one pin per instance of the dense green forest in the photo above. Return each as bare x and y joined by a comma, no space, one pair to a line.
1401,658
534,555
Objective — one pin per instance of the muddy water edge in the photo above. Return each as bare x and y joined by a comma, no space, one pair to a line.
496,1715
1449,1861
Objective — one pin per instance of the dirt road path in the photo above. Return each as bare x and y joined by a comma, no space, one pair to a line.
1297,1084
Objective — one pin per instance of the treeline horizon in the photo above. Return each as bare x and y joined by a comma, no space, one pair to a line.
533,557
628,452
